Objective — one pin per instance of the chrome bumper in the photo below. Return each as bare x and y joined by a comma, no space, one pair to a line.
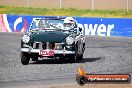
64,52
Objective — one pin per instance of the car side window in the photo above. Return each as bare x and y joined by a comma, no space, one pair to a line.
40,24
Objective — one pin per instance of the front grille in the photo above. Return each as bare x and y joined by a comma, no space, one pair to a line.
47,45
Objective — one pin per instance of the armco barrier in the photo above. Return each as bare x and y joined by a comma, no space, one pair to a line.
91,26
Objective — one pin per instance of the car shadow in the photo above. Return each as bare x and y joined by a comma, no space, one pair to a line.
84,60
65,61
50,61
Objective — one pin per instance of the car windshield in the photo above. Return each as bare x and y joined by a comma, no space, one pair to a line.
47,24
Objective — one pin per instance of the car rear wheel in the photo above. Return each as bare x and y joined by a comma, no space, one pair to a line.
24,58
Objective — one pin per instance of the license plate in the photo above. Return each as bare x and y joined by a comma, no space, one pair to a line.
46,53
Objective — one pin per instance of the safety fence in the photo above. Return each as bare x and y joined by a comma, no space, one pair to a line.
81,4
91,26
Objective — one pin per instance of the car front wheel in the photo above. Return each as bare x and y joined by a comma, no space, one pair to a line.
73,58
24,58
80,57
35,59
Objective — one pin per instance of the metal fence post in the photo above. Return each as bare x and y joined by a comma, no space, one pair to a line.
92,4
28,3
60,4
127,5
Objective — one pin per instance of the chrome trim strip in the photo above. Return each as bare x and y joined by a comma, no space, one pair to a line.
64,52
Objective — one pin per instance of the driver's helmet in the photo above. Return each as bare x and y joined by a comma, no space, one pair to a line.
69,23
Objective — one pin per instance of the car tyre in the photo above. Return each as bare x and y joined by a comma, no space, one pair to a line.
80,57
24,58
73,58
83,47
35,59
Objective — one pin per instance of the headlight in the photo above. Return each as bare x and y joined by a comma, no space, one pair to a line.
25,39
69,40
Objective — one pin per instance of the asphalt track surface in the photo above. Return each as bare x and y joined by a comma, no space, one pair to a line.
103,55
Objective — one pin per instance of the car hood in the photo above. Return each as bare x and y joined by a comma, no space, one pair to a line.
49,36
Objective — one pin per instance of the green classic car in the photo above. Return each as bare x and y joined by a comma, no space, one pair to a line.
48,37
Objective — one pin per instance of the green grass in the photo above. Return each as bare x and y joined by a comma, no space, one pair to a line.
65,12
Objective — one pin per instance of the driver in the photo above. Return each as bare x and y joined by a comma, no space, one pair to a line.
69,23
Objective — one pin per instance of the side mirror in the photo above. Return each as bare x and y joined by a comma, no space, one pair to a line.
80,29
